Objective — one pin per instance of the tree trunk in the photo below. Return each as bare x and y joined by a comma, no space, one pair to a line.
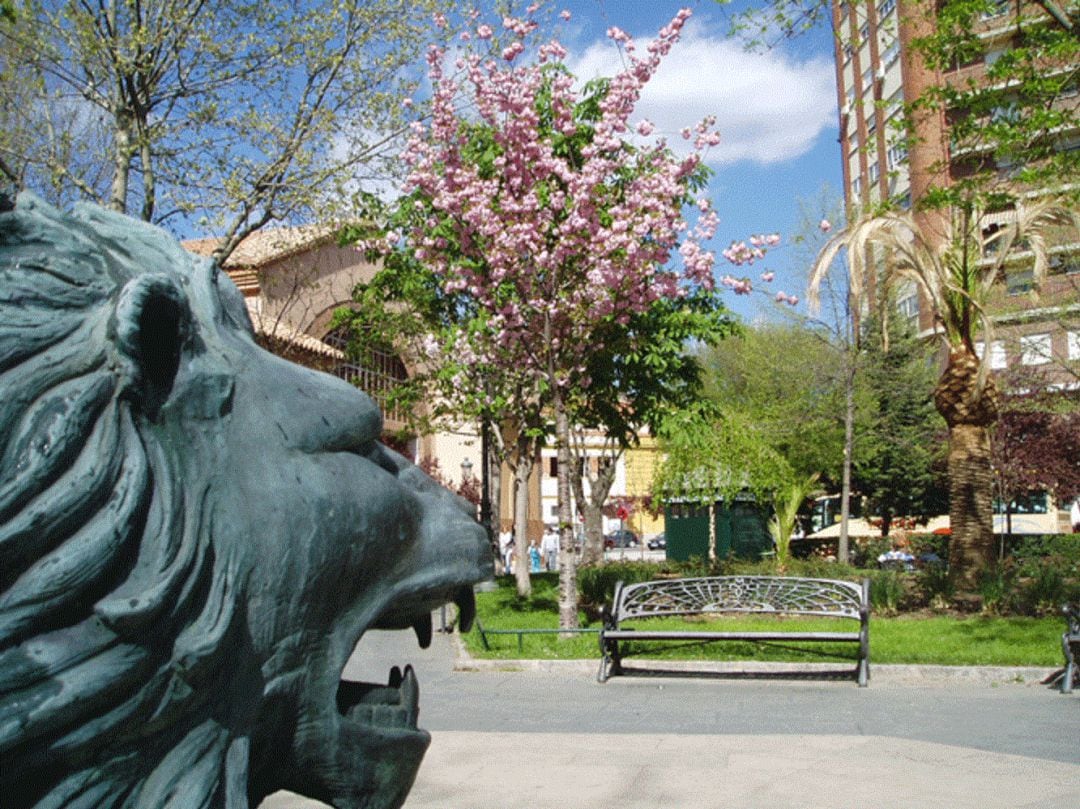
121,168
969,409
971,518
522,471
843,549
568,595
592,549
712,531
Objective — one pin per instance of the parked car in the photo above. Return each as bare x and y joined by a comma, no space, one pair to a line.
657,543
621,539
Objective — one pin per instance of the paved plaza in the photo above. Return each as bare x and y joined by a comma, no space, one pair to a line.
548,736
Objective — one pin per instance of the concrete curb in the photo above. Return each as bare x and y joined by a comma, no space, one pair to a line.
897,674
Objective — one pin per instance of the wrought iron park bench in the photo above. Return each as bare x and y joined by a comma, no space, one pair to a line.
745,595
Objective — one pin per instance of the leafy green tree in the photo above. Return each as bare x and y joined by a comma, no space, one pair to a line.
899,450
643,374
787,380
233,114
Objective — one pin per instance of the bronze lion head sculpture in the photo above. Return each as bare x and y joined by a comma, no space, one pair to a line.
194,534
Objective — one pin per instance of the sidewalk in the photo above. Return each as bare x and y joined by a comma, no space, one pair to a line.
541,735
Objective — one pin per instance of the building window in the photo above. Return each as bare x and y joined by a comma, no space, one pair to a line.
998,8
998,360
1018,282
1074,345
856,186
875,172
553,467
897,155
1035,349
377,373
908,307
892,52
886,8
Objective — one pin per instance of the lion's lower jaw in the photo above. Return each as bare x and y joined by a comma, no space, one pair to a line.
366,755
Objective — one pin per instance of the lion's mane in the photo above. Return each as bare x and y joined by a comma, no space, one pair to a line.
117,623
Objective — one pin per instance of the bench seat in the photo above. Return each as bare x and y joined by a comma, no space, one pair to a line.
735,595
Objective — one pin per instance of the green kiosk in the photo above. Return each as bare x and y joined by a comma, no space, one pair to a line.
742,530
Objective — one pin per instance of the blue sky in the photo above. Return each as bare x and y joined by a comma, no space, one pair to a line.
776,112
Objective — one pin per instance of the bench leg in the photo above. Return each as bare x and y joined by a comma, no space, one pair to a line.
864,672
1070,665
609,660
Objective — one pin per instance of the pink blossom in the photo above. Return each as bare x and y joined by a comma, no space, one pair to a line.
825,226
440,20
565,15
558,262
768,276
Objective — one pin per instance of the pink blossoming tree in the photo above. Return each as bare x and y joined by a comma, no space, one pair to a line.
550,234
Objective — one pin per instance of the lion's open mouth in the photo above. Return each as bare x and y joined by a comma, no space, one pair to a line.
396,704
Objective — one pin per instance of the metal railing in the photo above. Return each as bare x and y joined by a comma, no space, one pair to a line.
521,633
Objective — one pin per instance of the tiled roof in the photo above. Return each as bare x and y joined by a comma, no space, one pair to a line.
275,328
264,246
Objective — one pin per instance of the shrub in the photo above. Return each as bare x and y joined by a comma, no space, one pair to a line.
887,591
935,587
596,583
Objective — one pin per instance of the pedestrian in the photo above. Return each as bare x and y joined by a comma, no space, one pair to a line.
534,558
506,550
549,548
1074,516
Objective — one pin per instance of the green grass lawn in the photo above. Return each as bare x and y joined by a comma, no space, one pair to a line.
934,639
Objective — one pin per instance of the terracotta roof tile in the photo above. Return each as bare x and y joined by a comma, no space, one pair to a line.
264,246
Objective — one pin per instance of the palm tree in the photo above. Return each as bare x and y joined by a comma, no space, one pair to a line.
955,271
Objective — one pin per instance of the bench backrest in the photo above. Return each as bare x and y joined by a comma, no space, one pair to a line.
741,594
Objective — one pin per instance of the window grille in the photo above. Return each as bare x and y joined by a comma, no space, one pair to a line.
377,373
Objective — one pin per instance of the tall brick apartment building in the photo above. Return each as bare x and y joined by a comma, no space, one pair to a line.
877,70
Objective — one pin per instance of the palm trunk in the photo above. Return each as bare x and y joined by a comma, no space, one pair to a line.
971,517
969,409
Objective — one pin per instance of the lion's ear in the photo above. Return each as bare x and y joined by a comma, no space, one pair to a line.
151,326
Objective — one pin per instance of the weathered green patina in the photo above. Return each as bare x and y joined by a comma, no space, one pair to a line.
193,536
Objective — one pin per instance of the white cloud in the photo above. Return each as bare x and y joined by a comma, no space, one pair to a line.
769,107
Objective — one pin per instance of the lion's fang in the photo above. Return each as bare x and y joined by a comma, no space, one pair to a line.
422,627
465,601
